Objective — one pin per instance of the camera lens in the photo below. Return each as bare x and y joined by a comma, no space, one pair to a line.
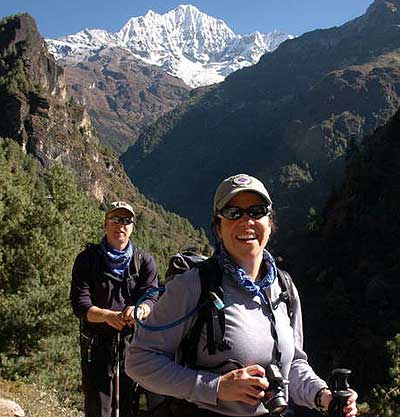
275,397
277,406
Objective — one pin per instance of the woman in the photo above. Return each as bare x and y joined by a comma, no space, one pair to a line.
254,331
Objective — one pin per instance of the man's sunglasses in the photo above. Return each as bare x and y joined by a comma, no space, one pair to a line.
235,213
121,220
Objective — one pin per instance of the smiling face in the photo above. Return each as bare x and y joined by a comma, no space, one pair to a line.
118,234
245,238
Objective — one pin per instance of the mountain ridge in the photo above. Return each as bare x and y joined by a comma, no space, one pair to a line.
185,42
287,119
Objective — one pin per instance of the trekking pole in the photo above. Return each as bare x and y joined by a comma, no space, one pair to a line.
340,391
116,376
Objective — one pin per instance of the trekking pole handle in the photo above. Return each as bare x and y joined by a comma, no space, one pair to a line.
339,387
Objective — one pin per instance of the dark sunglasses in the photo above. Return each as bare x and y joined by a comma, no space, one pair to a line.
235,213
121,220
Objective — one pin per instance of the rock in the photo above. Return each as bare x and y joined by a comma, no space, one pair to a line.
37,112
10,408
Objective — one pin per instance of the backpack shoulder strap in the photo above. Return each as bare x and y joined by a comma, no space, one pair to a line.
287,294
214,319
210,278
93,247
211,282
136,262
94,252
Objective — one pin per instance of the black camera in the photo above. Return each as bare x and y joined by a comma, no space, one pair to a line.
274,399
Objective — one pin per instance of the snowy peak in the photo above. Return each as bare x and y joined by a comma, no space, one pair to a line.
182,31
185,42
81,45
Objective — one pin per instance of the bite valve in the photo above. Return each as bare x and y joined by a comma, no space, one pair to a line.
339,387
218,303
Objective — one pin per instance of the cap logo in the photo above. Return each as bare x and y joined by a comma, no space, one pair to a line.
242,180
119,204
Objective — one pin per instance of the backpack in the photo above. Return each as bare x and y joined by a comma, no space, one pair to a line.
182,262
212,315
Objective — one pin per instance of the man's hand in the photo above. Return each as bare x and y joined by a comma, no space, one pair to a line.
103,315
115,320
246,385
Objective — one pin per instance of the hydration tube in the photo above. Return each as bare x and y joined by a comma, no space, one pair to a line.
213,298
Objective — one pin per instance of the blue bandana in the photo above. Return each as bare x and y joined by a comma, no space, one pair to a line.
240,277
117,261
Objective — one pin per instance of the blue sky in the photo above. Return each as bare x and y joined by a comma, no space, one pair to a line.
56,18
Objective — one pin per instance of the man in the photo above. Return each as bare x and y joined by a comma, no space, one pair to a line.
107,281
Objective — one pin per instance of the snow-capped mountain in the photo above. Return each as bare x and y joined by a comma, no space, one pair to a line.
185,42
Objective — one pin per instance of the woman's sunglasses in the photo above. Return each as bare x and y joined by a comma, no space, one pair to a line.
121,220
235,213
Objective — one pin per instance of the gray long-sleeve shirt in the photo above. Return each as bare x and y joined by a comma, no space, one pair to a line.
150,358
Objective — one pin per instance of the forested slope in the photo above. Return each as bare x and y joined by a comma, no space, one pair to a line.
347,266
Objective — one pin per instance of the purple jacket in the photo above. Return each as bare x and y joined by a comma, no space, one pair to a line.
94,285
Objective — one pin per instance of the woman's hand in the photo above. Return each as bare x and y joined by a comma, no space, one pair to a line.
143,311
350,409
246,385
128,314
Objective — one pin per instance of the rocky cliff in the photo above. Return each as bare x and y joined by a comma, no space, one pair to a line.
122,94
40,116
